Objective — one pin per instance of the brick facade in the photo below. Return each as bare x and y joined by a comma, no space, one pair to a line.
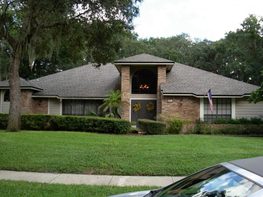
161,78
185,108
40,106
125,92
33,105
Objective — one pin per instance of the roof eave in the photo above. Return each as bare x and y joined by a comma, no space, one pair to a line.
169,65
205,96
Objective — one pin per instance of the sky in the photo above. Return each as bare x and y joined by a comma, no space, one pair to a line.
201,19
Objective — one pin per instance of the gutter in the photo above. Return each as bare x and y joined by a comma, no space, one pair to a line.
205,96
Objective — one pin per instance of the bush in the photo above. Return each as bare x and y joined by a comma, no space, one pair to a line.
174,126
71,123
3,121
232,129
239,121
151,126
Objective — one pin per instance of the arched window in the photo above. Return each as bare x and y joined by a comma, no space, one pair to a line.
7,96
144,82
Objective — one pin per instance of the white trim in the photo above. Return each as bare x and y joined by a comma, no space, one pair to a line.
214,96
138,99
1,101
202,108
48,106
35,96
233,108
143,63
95,98
60,106
143,95
73,98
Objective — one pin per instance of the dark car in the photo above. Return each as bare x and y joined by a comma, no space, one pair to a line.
239,178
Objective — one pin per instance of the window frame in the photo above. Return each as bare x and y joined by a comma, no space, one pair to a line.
222,109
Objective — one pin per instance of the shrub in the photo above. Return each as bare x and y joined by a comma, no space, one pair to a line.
197,127
151,126
3,121
232,129
174,126
71,123
239,121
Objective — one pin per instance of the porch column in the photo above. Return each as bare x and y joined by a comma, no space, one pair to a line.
125,92
161,78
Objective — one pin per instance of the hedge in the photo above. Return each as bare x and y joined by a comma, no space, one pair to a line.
243,121
70,123
151,126
229,129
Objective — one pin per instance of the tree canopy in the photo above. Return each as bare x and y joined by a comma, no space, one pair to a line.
33,30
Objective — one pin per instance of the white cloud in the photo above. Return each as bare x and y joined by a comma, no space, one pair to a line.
209,19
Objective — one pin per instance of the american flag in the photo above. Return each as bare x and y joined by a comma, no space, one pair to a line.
209,95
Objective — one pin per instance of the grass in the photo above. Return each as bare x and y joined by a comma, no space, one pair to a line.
18,188
75,152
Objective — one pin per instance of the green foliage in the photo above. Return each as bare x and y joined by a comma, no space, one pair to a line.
71,123
76,152
239,121
111,104
238,55
22,188
151,126
35,30
232,129
174,126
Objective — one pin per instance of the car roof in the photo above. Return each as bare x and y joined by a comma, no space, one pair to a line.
254,165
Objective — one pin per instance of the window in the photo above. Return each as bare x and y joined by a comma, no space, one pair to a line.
80,107
221,110
212,182
144,82
7,96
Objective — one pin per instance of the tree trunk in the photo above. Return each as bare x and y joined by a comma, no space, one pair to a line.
14,119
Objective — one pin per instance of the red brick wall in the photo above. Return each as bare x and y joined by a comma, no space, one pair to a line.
26,101
161,78
40,106
125,91
185,108
33,105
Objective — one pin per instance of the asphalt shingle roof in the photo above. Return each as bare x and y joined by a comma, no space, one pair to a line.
185,79
24,84
143,58
82,82
90,82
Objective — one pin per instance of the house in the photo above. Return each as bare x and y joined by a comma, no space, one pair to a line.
151,87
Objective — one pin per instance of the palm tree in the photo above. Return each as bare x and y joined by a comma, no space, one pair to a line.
111,104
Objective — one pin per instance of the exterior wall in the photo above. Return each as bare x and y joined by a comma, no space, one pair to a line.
26,102
54,107
161,78
125,92
185,108
4,106
244,109
39,106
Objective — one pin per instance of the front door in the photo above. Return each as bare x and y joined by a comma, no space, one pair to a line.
143,109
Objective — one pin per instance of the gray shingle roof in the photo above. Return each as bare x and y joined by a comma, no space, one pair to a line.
143,58
81,82
24,84
189,80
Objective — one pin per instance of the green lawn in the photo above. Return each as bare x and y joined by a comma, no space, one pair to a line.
15,188
90,153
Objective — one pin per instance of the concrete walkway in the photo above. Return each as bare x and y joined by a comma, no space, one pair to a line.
82,179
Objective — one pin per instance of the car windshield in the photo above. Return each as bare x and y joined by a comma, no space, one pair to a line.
217,181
